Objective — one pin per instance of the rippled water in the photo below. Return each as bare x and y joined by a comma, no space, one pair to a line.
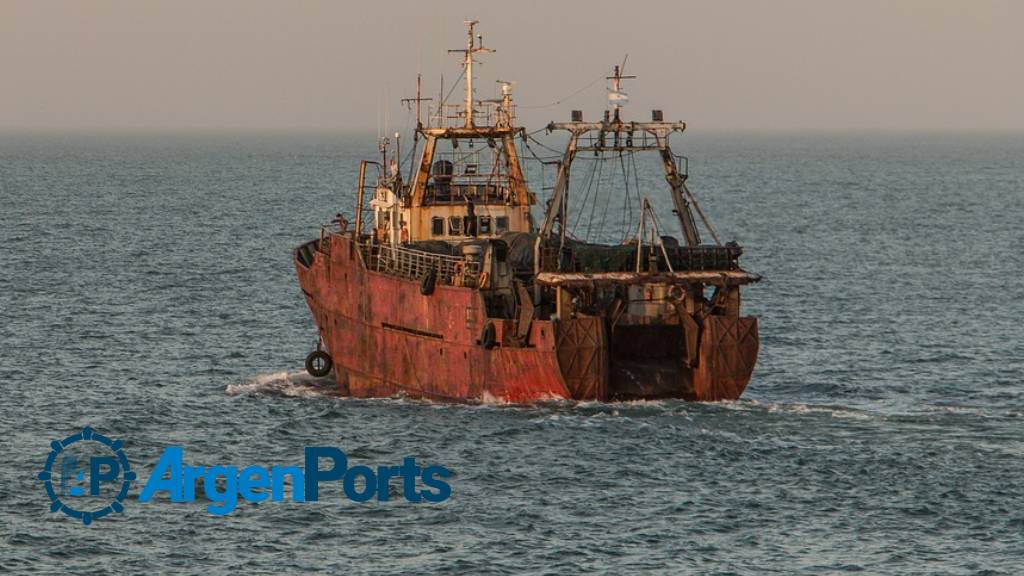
146,289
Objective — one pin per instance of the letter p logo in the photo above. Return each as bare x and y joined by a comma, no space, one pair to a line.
102,469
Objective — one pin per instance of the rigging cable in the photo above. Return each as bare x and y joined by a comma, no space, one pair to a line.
553,159
583,202
454,86
636,185
607,202
603,75
597,192
627,207
542,145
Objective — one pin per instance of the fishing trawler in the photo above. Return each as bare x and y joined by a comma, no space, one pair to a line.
444,286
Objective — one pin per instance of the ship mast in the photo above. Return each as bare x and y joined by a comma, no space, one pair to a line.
409,102
617,97
474,44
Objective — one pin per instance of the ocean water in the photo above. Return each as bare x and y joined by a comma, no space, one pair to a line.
147,290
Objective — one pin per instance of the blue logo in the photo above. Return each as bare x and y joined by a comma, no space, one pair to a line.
109,476
225,486
87,476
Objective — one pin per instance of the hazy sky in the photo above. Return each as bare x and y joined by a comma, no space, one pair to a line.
928,64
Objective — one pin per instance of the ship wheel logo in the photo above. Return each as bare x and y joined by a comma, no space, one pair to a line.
81,455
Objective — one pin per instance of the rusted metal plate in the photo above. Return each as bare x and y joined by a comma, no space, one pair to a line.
582,346
691,334
728,277
728,352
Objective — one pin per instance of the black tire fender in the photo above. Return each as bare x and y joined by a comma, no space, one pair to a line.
428,282
488,336
319,364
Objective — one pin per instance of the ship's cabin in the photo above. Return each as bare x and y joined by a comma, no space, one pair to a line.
469,192
470,187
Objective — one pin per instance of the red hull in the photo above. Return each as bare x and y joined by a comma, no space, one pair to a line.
386,338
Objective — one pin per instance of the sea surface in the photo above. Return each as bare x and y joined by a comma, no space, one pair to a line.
147,290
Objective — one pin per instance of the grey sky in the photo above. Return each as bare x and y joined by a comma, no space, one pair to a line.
934,64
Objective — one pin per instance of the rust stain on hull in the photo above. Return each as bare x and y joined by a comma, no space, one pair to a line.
376,327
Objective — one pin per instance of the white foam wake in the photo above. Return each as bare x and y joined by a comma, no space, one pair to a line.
296,384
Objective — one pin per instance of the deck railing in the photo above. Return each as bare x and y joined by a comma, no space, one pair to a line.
484,114
412,263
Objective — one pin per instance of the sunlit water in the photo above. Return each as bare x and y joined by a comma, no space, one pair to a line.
146,289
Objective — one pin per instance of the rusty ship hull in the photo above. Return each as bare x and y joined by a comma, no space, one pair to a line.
386,338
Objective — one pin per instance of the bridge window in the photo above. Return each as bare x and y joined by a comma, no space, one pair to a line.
485,224
437,226
501,224
455,225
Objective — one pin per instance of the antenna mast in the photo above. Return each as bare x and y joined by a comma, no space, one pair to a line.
617,97
418,99
473,46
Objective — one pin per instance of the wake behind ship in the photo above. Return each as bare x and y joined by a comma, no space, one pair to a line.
445,287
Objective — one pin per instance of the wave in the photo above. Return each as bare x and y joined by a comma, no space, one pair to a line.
794,408
299,384
295,384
